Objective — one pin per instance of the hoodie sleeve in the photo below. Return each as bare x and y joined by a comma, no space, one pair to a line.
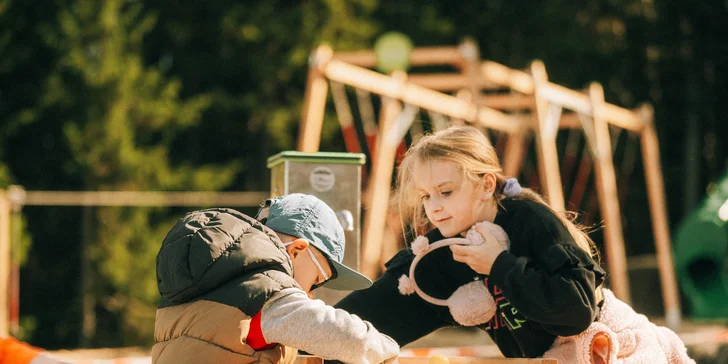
548,278
405,318
292,319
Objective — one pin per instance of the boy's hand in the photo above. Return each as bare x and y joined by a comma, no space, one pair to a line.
479,258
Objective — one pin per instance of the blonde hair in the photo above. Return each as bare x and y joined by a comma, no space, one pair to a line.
470,150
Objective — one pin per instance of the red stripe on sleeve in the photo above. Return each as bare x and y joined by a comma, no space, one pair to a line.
255,335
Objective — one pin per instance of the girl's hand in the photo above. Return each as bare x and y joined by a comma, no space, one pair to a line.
480,258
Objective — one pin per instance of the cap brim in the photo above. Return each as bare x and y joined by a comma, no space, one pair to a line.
347,279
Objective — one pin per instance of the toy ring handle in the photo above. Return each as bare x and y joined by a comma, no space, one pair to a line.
437,245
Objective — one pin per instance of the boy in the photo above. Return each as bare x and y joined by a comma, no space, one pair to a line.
235,289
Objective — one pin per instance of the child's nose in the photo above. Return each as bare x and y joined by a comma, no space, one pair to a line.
436,206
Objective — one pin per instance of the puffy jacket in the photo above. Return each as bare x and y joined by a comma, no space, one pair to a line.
216,269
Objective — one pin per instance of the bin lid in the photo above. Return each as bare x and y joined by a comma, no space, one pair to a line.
318,157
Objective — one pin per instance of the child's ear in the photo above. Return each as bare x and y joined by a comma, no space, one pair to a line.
297,246
489,183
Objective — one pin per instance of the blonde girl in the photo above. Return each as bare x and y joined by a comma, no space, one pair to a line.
545,286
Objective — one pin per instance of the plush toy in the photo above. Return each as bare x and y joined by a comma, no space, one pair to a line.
471,304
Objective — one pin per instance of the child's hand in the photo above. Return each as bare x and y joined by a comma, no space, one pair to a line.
480,258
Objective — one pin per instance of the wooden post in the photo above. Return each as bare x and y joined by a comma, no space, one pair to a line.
514,154
379,187
314,102
471,69
16,197
86,281
658,210
606,183
346,119
548,159
366,112
465,95
4,262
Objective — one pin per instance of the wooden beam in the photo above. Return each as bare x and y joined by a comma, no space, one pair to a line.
420,96
144,198
446,82
379,186
314,101
623,118
470,52
580,103
570,121
420,56
346,118
512,101
548,158
606,182
13,291
495,74
504,76
5,211
379,239
514,154
573,100
366,112
658,211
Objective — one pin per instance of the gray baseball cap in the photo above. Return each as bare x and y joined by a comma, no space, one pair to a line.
307,217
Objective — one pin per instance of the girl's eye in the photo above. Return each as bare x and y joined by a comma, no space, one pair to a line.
424,197
446,193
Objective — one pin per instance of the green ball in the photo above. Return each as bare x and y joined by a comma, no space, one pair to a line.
393,51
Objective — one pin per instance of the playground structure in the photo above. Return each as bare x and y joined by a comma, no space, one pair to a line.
515,108
512,106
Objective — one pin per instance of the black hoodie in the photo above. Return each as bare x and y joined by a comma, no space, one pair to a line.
544,286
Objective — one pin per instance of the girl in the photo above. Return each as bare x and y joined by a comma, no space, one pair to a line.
546,286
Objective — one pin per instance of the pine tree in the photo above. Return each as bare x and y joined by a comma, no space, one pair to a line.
119,119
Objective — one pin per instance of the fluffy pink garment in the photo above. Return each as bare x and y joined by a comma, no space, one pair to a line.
421,245
472,304
496,231
620,336
406,286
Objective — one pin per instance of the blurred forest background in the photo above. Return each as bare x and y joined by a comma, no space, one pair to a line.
181,96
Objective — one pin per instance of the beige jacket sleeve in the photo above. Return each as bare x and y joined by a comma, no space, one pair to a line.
292,319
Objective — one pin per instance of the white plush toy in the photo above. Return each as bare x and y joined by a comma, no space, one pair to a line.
471,304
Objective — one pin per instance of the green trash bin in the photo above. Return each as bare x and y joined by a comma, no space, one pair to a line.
701,251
